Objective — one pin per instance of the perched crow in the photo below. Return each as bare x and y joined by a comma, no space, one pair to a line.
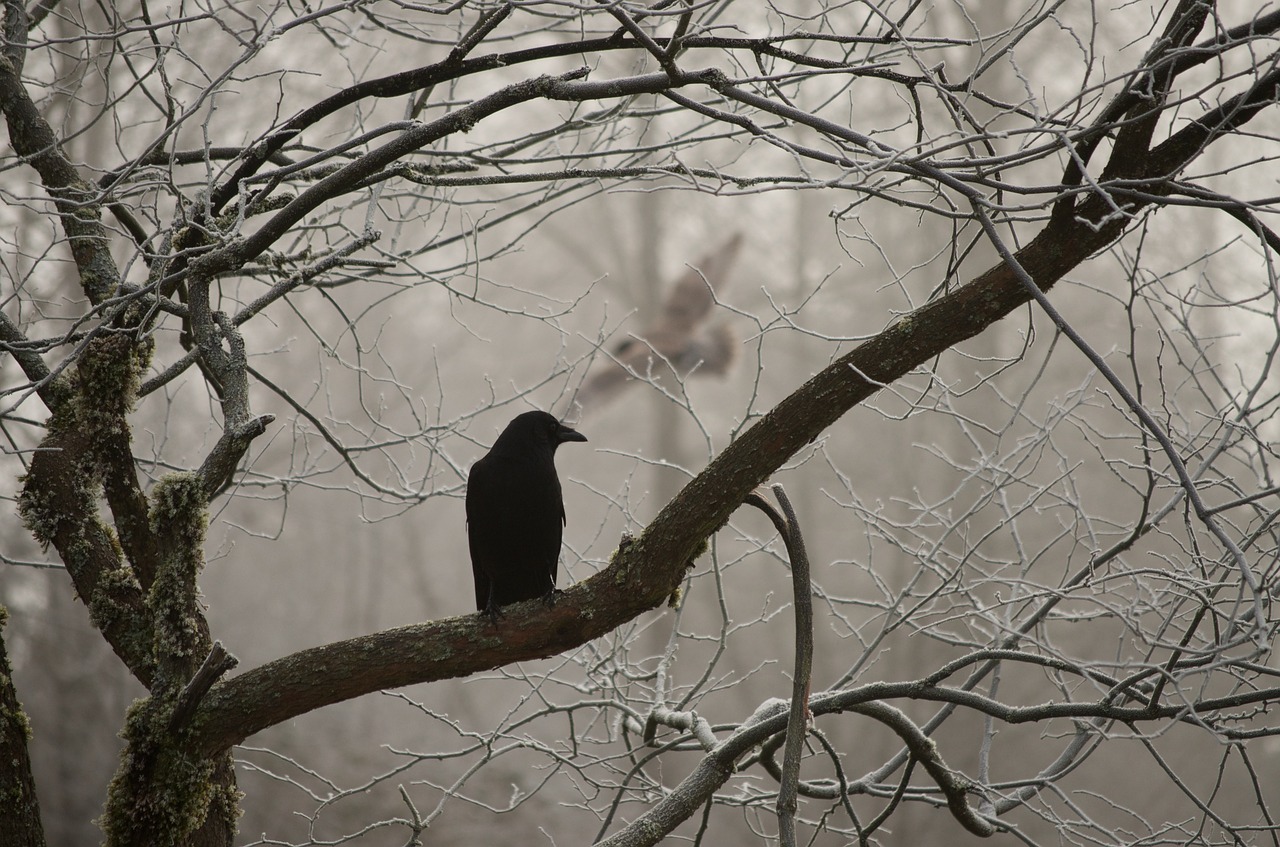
515,513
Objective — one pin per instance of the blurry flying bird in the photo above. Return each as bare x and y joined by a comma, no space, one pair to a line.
678,339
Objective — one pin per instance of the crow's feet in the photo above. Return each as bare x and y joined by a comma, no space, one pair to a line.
493,613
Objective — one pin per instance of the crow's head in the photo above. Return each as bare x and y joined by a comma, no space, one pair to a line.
534,431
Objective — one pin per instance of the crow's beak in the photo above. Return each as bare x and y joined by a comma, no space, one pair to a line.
567,434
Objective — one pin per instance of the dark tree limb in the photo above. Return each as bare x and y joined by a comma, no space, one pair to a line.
88,439
1149,87
128,502
214,666
161,793
219,467
58,506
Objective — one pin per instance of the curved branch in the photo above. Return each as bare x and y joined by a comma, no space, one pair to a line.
1173,154
802,590
717,766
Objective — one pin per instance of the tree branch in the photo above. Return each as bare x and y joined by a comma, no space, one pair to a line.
644,575
802,592
217,663
715,769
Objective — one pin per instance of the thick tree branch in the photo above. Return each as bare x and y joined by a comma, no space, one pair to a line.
58,506
128,502
214,666
1173,154
644,575
105,456
1168,57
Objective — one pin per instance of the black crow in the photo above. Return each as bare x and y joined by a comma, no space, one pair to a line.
515,513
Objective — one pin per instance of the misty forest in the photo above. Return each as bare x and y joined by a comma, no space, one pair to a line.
925,349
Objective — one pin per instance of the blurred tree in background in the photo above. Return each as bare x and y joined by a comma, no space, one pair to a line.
275,275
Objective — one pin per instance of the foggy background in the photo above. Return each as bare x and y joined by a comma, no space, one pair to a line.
1008,454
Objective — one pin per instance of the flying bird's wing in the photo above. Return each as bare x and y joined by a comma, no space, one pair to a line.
693,294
